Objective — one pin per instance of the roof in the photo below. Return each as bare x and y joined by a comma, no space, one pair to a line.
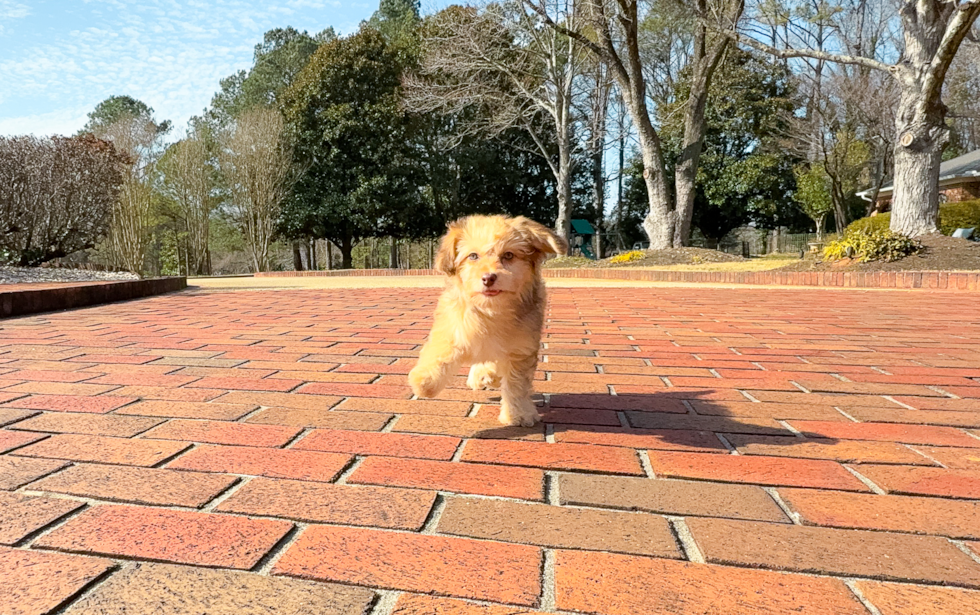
582,227
965,166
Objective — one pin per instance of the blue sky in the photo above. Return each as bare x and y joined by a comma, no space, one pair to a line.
59,58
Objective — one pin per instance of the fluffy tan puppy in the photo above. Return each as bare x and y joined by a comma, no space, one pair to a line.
491,312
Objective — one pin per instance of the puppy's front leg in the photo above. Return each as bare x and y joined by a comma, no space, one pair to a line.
516,407
438,362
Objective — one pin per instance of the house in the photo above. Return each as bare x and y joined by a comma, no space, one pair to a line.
959,180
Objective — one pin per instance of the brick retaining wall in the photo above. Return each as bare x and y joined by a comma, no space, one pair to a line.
21,299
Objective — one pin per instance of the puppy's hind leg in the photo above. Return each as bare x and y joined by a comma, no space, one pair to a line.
483,375
516,407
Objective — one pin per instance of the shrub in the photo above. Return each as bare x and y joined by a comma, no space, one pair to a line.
871,245
880,222
627,257
965,214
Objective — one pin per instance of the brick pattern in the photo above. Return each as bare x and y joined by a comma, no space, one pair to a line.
723,452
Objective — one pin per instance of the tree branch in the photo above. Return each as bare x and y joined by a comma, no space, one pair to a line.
957,29
809,53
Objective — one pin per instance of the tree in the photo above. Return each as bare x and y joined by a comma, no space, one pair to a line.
58,195
611,33
129,125
743,174
256,160
599,93
813,195
362,174
117,108
497,68
277,60
188,180
397,20
932,32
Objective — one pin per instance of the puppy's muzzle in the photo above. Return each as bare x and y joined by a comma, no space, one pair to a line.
489,279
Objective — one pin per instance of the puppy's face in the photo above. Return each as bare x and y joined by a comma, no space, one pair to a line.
496,259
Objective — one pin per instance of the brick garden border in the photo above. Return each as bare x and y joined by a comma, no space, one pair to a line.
22,301
936,280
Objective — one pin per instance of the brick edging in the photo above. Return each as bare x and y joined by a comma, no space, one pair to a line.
939,280
345,273
25,301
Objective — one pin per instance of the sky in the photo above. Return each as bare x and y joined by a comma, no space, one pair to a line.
59,58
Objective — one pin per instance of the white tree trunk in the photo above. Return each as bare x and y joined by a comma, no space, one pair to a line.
661,219
563,224
918,154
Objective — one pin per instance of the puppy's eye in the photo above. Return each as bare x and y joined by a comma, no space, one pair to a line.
507,256
473,256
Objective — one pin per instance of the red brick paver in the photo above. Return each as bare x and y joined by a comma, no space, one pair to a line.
747,451
35,582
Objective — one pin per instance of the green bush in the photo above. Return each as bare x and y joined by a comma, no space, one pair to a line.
880,222
952,216
874,245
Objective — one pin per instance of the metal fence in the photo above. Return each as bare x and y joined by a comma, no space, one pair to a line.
753,242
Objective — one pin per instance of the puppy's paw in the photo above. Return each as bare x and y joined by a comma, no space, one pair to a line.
424,382
482,376
513,415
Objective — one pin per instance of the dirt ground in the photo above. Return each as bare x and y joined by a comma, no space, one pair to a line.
940,253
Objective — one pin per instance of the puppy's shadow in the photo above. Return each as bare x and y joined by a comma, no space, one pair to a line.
691,421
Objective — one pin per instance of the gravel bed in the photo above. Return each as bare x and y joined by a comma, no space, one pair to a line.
27,275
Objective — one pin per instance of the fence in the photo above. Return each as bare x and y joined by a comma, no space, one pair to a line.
756,243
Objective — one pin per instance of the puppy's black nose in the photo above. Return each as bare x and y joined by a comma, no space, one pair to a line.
489,279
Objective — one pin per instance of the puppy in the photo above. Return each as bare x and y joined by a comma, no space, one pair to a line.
491,312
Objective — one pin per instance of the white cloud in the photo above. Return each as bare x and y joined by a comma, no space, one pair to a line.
169,53
13,10
63,122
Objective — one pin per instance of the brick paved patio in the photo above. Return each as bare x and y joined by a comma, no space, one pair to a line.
722,452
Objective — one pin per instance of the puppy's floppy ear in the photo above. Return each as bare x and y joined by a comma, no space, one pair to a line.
445,261
542,238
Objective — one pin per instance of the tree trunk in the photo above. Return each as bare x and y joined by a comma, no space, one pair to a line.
297,256
598,197
704,63
393,255
687,163
329,254
346,247
661,218
922,135
563,224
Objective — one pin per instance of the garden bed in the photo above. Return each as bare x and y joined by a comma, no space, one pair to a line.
648,258
940,253
47,275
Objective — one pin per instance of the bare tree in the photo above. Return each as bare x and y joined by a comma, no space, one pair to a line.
932,32
598,94
57,195
136,137
188,180
963,95
257,161
498,68
611,32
